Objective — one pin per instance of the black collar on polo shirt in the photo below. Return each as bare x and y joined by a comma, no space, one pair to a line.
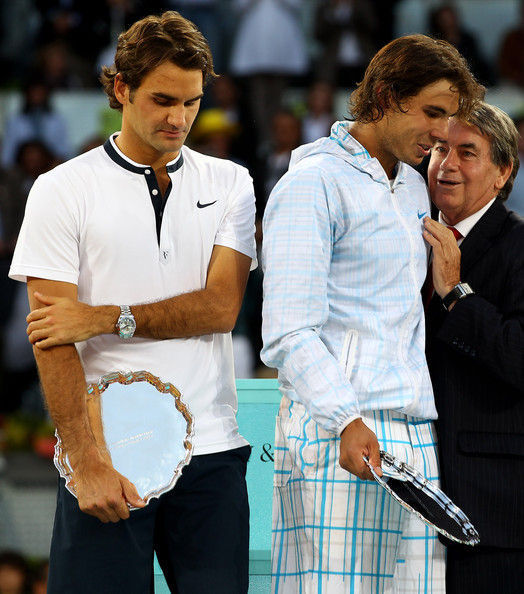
119,159
158,201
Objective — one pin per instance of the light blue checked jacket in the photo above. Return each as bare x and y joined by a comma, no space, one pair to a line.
344,261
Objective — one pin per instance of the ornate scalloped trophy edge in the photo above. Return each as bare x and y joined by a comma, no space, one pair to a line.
94,390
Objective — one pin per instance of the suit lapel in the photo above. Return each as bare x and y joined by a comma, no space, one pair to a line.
481,237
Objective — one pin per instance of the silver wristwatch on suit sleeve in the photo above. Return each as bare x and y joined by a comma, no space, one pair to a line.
459,291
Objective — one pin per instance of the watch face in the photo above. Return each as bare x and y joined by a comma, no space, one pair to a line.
126,326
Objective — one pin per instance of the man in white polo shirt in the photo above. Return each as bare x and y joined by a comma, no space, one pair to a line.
145,220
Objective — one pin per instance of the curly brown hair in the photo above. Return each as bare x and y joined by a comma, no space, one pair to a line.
152,41
403,67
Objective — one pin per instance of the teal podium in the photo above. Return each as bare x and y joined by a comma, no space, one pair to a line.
258,401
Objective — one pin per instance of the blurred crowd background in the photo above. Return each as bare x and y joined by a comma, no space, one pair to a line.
287,68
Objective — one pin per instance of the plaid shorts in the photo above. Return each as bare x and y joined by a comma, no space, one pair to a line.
334,533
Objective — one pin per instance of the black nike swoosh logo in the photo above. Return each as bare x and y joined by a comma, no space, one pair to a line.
200,205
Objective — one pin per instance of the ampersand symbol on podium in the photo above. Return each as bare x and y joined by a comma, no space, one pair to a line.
266,455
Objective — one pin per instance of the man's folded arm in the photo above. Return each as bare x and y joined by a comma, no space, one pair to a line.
210,310
101,491
62,376
213,309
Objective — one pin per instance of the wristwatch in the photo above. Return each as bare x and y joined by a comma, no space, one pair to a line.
459,291
126,324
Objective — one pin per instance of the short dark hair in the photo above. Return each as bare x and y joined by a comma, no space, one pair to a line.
406,65
152,41
503,136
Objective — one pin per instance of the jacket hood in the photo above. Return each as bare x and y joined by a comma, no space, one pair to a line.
339,143
342,145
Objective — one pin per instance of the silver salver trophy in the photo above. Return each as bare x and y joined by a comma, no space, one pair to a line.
424,499
143,425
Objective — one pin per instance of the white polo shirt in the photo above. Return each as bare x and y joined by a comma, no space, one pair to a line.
98,221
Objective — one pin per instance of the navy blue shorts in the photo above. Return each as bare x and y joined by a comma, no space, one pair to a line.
199,531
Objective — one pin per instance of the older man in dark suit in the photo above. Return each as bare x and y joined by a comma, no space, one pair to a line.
475,346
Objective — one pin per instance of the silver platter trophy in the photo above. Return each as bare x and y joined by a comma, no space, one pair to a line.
144,426
424,499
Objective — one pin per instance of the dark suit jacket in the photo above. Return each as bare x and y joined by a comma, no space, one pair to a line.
476,360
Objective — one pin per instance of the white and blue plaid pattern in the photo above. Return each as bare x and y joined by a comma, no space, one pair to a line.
336,534
344,260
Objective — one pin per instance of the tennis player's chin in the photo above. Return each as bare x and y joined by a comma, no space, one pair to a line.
168,144
410,157
415,160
